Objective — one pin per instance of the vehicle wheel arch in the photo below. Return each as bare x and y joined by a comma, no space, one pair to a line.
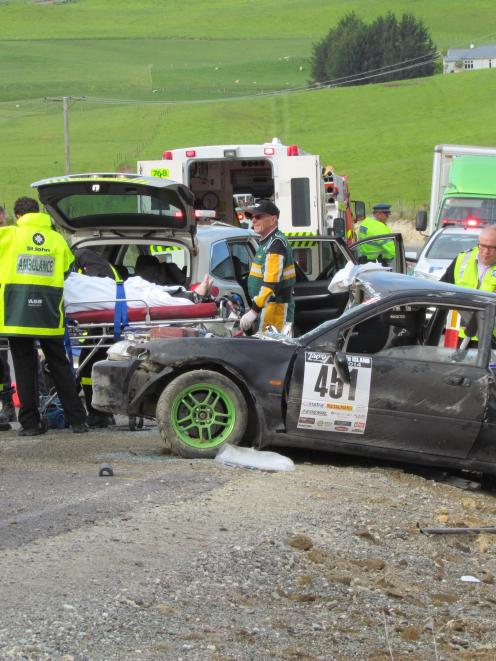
149,398
198,428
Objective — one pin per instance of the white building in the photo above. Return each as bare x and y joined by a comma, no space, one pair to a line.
467,59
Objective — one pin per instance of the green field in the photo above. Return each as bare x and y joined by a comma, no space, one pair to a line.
174,76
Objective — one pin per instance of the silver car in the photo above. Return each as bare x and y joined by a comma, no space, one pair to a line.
441,248
126,218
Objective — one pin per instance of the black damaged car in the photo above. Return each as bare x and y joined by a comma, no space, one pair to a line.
377,382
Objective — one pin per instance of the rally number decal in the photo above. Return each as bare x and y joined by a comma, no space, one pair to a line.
330,404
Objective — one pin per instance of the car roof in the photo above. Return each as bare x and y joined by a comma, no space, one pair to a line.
450,230
217,231
387,284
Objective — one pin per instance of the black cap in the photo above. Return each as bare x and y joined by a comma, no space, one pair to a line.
262,206
386,208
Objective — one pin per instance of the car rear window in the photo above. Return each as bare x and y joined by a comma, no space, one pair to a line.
81,206
448,246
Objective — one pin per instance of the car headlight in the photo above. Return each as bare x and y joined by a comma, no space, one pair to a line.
120,350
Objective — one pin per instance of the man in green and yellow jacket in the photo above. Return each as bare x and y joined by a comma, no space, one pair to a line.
35,260
272,274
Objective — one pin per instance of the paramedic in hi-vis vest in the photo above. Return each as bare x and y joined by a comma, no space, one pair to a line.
380,250
272,273
476,268
34,263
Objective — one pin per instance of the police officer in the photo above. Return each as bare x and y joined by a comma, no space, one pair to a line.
34,262
272,274
373,226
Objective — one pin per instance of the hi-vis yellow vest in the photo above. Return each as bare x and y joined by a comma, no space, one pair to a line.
34,260
380,249
467,275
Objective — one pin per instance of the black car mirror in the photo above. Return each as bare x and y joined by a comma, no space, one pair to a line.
341,365
339,227
359,210
421,221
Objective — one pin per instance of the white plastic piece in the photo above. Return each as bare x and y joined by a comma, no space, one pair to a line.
469,579
344,278
241,457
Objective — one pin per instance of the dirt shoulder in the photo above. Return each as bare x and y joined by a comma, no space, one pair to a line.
178,559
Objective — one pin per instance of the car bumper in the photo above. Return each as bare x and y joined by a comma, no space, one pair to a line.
111,385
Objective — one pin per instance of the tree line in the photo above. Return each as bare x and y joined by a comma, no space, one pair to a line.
354,53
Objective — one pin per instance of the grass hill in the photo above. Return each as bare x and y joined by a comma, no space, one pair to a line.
180,67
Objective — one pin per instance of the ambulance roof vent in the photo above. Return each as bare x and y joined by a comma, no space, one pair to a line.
276,141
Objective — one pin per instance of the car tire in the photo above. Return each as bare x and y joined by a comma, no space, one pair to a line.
199,412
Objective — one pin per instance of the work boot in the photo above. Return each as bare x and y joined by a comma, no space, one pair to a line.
82,428
35,431
8,412
99,420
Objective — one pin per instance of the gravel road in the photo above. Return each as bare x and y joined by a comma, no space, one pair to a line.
180,559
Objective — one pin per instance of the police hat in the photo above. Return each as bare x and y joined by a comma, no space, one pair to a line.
262,206
385,208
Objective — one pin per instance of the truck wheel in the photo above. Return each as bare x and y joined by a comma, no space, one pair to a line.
199,412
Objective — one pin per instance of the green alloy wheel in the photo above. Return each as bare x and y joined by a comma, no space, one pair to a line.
200,411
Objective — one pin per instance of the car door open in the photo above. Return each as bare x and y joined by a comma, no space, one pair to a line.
388,249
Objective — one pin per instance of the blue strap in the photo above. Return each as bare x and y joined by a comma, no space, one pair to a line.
120,315
68,349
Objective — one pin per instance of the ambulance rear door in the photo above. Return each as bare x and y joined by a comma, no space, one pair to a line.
297,193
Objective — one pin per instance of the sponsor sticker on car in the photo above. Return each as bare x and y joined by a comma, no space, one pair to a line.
344,405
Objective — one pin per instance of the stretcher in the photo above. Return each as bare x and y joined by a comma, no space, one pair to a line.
100,328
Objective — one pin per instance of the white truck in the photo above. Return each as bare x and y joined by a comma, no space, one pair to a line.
219,174
463,189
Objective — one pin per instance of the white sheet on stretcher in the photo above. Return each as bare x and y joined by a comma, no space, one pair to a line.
79,289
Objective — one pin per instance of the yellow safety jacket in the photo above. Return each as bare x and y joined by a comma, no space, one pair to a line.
34,261
466,274
380,249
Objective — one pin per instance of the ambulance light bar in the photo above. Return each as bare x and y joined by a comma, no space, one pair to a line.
169,156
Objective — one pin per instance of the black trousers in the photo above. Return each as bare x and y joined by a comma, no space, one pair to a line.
25,359
6,379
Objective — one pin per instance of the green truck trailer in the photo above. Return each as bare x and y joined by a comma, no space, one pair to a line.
463,188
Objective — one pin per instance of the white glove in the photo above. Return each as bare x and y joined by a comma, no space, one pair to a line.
247,320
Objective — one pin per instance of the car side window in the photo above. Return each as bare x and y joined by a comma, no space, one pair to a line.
415,332
243,253
221,264
316,260
130,258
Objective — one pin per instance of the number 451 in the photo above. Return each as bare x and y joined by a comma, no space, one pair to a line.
335,387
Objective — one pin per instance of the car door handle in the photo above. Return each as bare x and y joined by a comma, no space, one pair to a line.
457,380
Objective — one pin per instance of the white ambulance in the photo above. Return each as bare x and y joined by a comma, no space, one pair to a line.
219,175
